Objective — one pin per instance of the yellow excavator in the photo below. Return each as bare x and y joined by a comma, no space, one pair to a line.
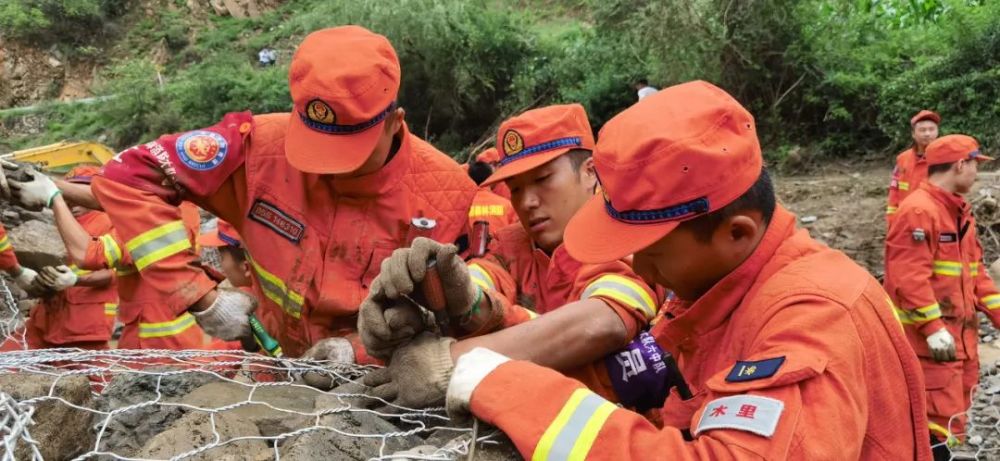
62,156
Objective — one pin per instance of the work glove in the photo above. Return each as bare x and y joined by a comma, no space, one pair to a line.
470,370
228,318
386,324
942,346
337,350
25,278
56,278
35,194
417,375
403,271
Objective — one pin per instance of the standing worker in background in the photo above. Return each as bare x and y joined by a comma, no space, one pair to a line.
589,311
487,206
643,90
78,306
320,196
232,259
911,164
783,361
491,157
934,274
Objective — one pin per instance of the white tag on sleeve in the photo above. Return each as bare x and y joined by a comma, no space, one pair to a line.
750,413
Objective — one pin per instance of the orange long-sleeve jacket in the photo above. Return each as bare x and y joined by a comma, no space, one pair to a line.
909,173
8,260
150,320
492,208
934,271
78,314
532,282
785,362
315,242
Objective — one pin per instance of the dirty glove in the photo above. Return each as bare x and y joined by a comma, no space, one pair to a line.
470,370
56,278
942,346
403,271
228,318
25,278
337,350
35,194
385,324
417,375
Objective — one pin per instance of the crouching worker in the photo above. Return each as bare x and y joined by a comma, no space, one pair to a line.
588,311
791,350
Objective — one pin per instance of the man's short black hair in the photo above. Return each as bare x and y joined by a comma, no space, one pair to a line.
760,197
939,168
479,171
577,157
235,252
642,81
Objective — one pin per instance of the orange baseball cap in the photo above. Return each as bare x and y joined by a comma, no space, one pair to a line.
489,155
538,136
678,154
925,115
82,174
344,82
223,235
952,148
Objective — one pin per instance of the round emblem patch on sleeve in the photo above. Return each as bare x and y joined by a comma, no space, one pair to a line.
201,150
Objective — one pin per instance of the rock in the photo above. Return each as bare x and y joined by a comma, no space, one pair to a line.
988,339
53,62
37,244
808,219
995,269
976,440
993,390
499,448
61,430
129,430
288,402
198,430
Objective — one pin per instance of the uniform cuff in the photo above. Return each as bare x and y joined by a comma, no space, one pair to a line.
929,328
470,370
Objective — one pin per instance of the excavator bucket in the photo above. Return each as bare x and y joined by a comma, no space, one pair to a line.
62,156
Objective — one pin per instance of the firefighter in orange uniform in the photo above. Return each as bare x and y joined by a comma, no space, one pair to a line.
911,164
233,260
491,157
782,360
320,196
591,310
79,306
935,275
488,207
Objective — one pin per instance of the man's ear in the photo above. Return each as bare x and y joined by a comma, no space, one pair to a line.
588,175
246,270
398,116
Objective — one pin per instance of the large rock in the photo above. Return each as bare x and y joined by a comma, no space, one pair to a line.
61,430
274,410
129,430
198,430
37,244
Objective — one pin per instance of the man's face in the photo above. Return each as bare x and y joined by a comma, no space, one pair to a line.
924,132
393,123
237,272
545,198
966,177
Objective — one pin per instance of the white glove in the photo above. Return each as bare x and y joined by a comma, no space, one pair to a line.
35,194
471,369
25,278
942,346
228,318
57,278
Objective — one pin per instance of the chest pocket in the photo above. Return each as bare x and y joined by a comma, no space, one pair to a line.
379,252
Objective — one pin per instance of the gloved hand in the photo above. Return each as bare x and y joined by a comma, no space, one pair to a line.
56,278
470,370
386,324
25,278
417,375
228,318
35,194
337,350
942,346
403,271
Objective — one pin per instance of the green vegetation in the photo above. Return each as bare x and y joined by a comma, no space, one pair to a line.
841,77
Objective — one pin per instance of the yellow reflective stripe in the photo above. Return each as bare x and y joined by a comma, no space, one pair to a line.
79,272
919,315
112,253
5,244
950,439
992,301
948,268
276,290
531,314
974,269
110,308
904,186
574,430
127,270
890,209
171,328
623,290
895,311
481,277
158,244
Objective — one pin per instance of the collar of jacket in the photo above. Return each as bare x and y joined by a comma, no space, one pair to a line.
712,309
385,179
955,203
